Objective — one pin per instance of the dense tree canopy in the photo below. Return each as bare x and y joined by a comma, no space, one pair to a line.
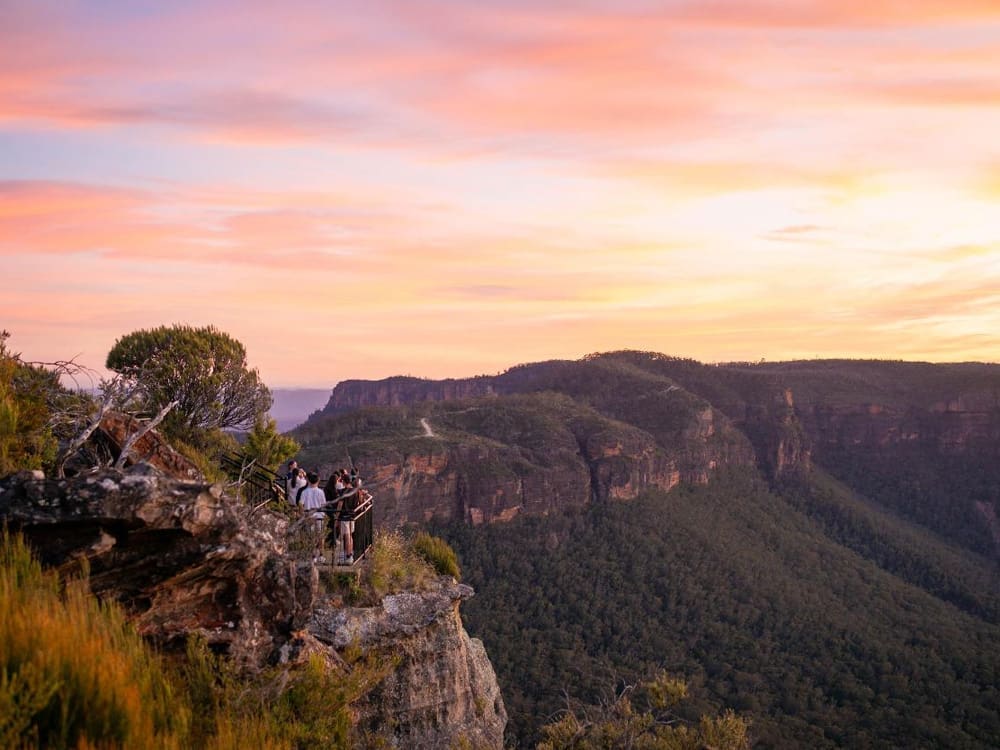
825,619
203,369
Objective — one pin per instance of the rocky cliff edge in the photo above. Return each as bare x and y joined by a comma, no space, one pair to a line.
182,557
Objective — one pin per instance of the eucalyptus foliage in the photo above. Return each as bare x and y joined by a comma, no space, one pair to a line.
203,369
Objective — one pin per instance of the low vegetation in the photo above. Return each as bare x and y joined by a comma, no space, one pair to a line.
27,440
396,565
642,716
74,674
438,553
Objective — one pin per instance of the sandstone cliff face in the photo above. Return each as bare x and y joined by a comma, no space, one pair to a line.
945,407
662,434
777,434
183,558
944,426
443,678
473,483
491,461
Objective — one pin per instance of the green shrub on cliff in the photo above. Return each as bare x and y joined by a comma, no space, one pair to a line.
26,439
438,553
284,708
395,566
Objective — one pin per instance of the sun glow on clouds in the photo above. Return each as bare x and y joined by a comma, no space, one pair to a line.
442,188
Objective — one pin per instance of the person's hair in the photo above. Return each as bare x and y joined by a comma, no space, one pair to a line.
312,477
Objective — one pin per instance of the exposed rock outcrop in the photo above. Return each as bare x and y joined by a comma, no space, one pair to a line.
777,434
182,557
443,685
945,427
398,391
151,448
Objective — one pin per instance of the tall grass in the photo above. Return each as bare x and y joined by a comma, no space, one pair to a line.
75,674
395,566
72,672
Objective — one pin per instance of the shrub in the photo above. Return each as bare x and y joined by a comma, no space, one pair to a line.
644,721
395,565
74,674
26,439
438,553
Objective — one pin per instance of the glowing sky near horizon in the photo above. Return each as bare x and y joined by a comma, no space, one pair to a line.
446,188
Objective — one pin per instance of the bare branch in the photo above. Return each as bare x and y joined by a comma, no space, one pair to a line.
139,434
77,442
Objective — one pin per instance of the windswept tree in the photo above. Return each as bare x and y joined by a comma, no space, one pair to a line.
203,370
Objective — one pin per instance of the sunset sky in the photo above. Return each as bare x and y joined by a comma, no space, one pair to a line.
449,188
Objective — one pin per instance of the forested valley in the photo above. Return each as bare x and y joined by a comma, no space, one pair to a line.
826,618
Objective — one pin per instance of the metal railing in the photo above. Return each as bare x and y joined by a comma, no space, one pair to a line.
364,529
257,484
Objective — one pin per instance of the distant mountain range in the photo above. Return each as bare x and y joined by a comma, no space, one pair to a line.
292,406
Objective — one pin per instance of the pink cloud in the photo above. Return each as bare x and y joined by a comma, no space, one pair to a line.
445,75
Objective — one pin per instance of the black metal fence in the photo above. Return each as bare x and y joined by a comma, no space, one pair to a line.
257,484
364,529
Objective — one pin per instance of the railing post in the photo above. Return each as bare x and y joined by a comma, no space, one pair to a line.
363,531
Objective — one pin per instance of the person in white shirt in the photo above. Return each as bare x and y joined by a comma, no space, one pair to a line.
312,499
295,484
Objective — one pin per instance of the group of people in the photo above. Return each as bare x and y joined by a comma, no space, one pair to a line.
338,500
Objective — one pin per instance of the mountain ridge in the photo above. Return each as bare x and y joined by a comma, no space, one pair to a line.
847,413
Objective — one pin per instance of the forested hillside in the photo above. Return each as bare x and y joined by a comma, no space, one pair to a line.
921,438
827,564
830,621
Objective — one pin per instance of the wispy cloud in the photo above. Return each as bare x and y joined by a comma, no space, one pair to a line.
500,182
